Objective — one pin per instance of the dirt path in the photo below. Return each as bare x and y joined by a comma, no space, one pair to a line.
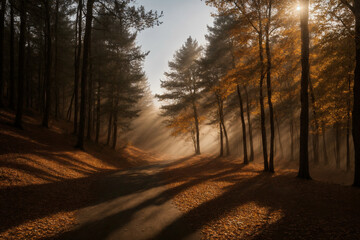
134,204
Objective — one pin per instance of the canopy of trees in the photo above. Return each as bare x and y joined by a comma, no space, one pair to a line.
279,65
76,60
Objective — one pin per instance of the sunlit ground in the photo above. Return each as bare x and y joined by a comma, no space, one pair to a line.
228,200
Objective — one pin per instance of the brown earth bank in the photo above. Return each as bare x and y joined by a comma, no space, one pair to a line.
44,180
228,200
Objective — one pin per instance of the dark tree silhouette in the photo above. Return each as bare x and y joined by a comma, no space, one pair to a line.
2,23
12,58
84,73
246,161
268,85
305,74
355,8
21,65
78,51
48,63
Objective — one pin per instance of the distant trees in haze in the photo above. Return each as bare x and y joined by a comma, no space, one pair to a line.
182,85
214,66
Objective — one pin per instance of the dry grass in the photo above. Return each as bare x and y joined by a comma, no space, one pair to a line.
228,200
44,179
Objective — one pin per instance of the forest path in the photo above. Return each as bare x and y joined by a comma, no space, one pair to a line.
132,204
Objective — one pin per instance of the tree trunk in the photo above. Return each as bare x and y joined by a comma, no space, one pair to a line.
115,122
109,129
90,101
85,66
356,106
78,30
263,128
115,132
43,83
98,112
39,101
226,139
261,98
304,115
63,99
193,138
315,141
246,161
196,119
21,66
348,147
326,159
48,65
222,121
94,114
12,59
250,126
2,25
268,84
348,122
337,145
316,127
27,70
68,115
292,138
221,140
56,80
30,86
279,136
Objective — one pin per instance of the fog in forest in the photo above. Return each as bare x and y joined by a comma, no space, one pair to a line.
179,119
149,132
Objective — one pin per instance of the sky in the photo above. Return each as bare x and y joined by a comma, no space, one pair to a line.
182,18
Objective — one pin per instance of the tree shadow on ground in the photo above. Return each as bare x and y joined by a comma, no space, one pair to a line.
141,181
291,208
41,173
306,209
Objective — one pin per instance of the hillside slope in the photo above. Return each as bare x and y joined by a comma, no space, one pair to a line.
44,179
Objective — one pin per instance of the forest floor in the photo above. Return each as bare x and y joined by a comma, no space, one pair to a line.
47,188
44,180
217,198
225,199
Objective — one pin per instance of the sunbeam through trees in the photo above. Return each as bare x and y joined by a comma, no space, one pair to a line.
219,147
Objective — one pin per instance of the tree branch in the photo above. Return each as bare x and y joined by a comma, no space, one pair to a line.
246,16
341,20
346,3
